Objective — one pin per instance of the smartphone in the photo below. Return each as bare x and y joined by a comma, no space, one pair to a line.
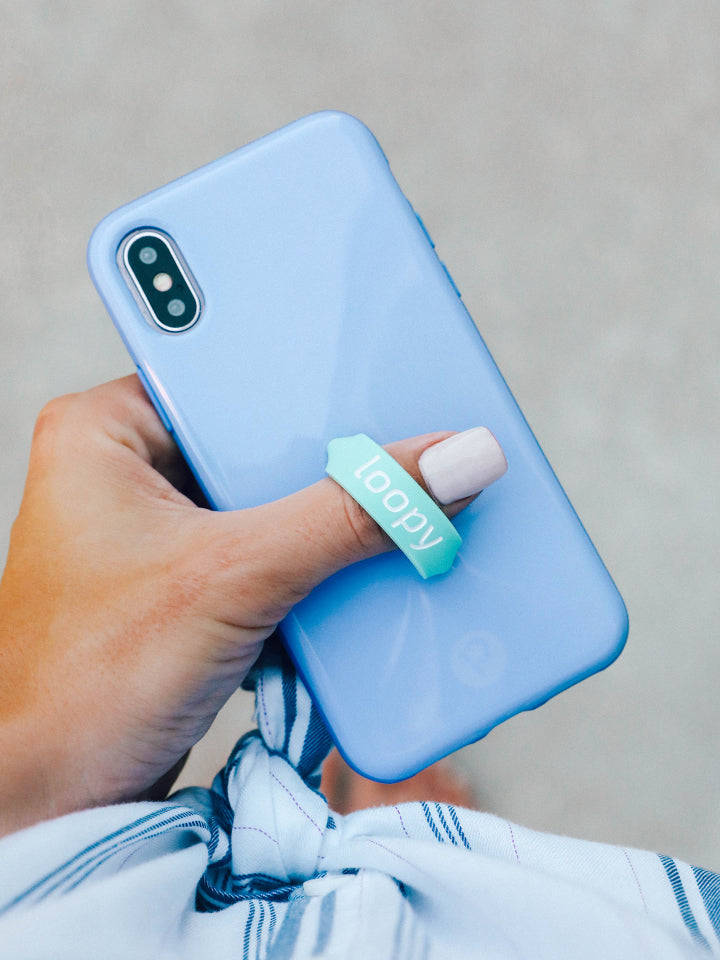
288,294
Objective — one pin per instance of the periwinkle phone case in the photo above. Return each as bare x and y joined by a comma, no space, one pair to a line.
327,313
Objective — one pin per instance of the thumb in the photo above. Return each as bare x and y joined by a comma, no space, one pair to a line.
306,537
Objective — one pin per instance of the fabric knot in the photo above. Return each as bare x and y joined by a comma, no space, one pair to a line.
268,794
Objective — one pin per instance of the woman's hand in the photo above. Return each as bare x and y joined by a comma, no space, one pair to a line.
128,614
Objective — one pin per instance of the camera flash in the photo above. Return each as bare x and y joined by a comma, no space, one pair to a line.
162,282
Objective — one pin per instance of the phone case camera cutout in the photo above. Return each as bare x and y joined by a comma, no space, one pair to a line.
164,286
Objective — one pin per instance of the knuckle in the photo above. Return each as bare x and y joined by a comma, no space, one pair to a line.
51,418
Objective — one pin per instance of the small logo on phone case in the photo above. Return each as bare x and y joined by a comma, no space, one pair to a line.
478,659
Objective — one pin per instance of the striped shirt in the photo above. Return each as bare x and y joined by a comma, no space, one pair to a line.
259,867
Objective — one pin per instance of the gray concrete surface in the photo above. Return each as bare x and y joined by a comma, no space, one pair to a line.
566,158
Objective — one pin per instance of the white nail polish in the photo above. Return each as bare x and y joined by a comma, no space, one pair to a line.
462,465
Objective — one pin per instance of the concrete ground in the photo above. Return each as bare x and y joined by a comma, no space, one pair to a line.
566,158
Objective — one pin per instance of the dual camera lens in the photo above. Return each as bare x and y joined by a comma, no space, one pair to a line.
167,291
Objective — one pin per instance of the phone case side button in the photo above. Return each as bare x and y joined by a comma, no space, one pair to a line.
447,274
154,400
424,229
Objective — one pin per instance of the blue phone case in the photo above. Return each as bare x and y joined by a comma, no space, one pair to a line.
327,313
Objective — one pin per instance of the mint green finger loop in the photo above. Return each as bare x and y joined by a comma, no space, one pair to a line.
395,501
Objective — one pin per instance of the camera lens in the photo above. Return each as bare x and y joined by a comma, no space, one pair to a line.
162,282
176,308
147,255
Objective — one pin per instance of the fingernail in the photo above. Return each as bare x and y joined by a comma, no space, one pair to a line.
462,465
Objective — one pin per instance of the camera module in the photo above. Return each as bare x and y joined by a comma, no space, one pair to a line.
160,280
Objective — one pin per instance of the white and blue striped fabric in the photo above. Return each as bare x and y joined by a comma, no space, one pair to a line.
259,867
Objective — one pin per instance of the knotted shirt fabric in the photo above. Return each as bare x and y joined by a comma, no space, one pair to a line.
258,866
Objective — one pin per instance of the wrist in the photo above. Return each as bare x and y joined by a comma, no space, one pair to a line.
26,794
37,779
